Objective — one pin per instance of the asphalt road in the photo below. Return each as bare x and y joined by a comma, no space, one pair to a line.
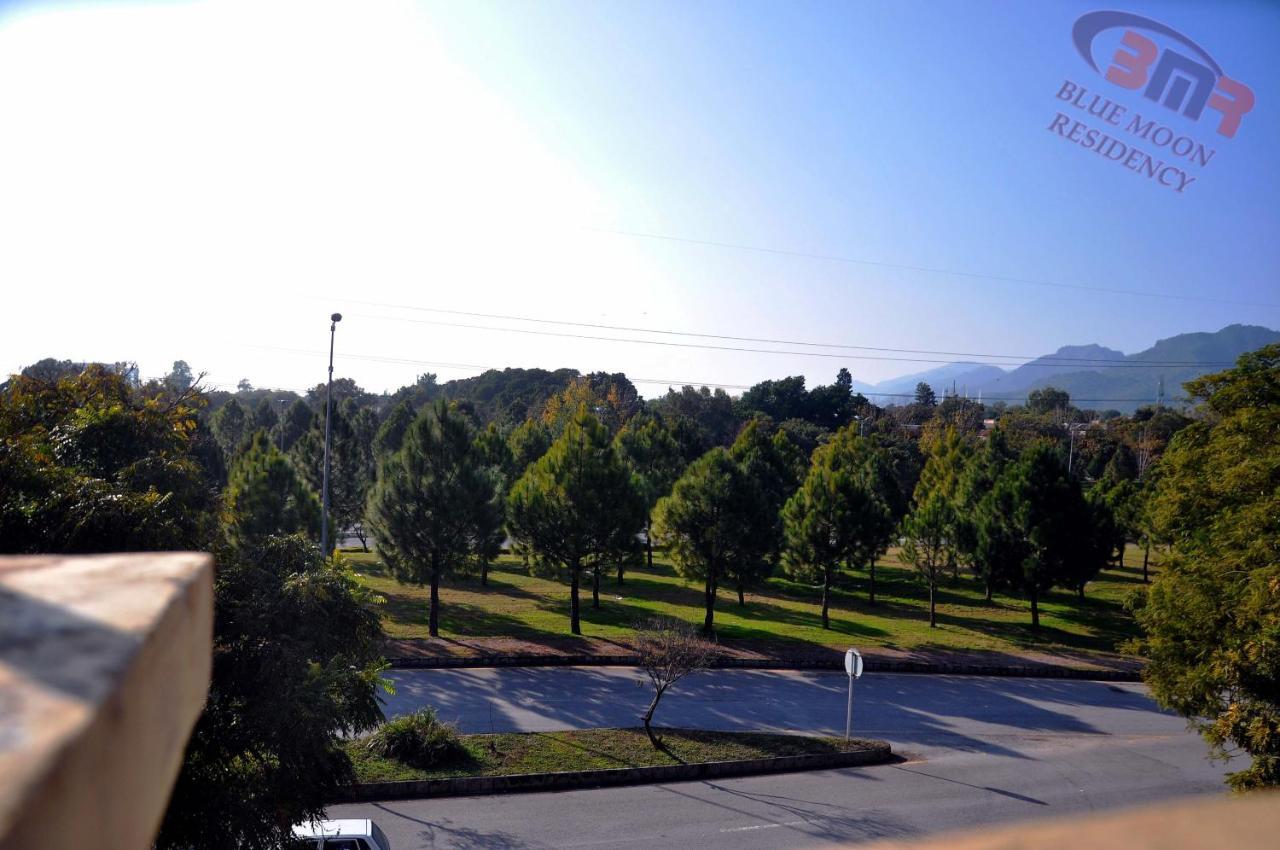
978,750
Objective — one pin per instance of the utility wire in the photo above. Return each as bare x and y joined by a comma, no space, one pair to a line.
1046,360
740,349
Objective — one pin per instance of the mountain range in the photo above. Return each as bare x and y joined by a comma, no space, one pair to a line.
1097,377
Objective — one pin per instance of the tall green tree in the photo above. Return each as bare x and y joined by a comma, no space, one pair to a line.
391,431
1122,499
927,543
352,467
435,505
1048,400
655,460
180,378
839,515
979,526
699,418
230,425
708,522
495,453
296,662
528,442
264,416
777,466
1093,540
265,496
295,423
1040,516
577,508
947,461
1212,615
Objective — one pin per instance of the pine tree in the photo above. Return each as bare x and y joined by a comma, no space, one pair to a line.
352,467
577,508
654,458
264,416
709,522
266,496
777,466
1042,525
230,424
948,459
495,453
434,507
978,524
528,442
296,423
839,516
927,543
390,435
925,396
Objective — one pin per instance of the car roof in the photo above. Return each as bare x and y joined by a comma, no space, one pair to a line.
351,827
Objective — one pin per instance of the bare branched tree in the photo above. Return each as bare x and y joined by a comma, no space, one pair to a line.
669,650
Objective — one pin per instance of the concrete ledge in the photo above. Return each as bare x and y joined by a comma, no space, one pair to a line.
104,668
878,753
875,665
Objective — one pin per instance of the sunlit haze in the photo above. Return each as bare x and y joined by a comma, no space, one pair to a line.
209,181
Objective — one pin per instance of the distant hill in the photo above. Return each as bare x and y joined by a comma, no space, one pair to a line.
1085,372
1099,389
966,377
1066,360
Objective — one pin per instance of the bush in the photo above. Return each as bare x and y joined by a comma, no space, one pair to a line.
419,740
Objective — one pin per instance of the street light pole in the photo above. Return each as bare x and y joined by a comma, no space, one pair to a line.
283,402
1071,452
328,415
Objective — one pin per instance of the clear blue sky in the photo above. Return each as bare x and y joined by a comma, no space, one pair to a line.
466,156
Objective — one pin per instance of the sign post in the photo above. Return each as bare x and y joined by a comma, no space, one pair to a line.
852,668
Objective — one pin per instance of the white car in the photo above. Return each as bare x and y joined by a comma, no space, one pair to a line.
351,834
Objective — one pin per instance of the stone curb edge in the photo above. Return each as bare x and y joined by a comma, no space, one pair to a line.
878,753
1045,671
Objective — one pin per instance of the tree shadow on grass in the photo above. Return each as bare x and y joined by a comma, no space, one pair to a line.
765,612
472,620
1125,575
1023,636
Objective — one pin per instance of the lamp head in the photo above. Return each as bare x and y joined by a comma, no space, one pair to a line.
335,318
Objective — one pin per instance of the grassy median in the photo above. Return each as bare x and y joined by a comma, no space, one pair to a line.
593,749
517,605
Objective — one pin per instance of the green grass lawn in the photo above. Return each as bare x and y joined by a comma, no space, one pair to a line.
518,605
592,749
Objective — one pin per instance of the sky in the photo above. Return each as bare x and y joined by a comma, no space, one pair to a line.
209,181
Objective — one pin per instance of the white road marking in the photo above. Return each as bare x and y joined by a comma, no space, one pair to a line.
763,826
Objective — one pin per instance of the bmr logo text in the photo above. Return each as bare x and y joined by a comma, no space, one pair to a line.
1168,69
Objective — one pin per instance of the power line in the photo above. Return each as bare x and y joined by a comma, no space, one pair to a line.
928,269
740,349
407,361
1056,360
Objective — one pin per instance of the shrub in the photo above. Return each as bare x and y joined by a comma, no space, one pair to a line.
419,740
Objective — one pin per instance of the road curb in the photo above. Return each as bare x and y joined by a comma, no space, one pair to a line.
878,752
836,662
